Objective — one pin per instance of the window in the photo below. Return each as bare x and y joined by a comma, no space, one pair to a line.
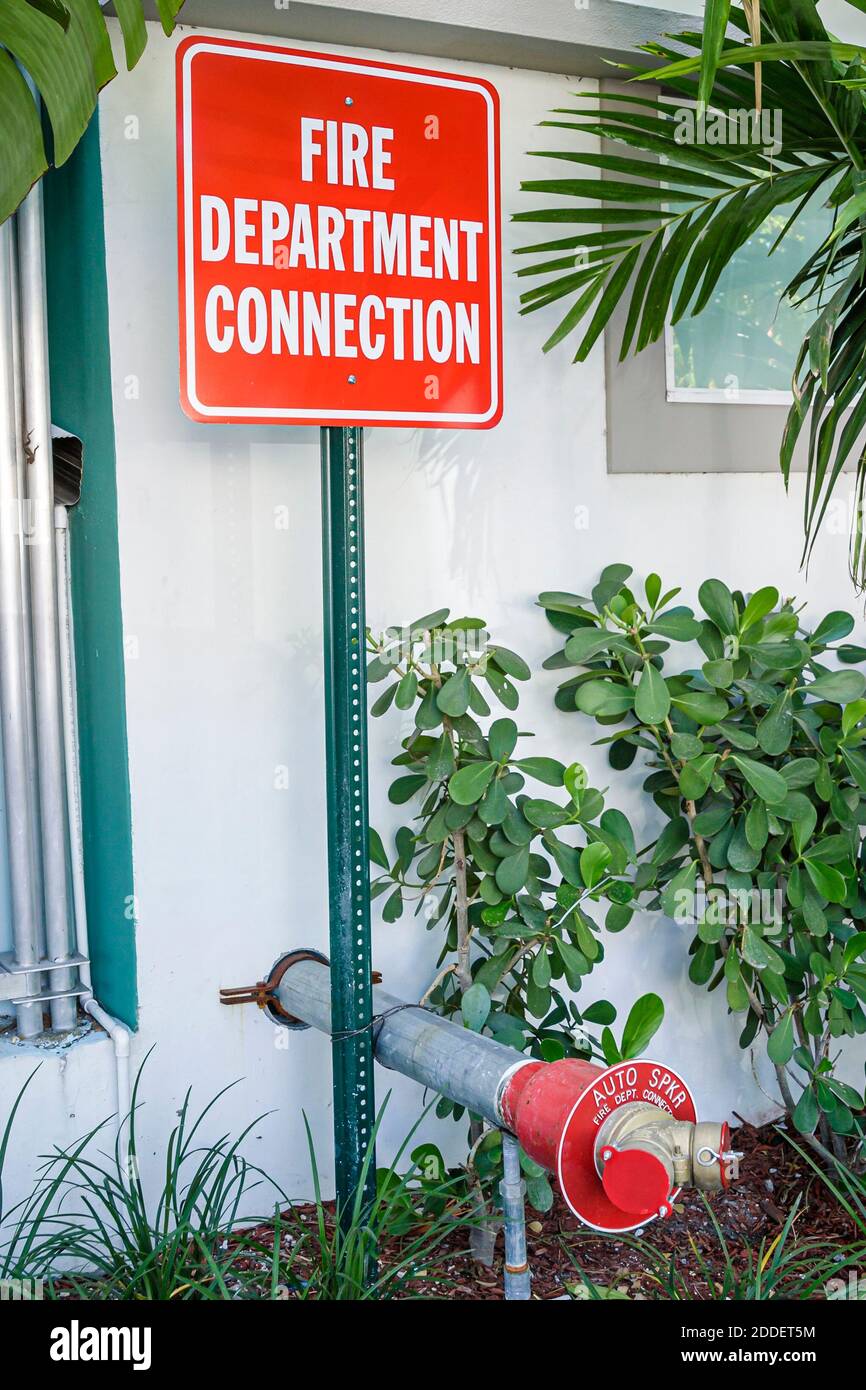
742,348
712,396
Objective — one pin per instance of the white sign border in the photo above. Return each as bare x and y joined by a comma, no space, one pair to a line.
273,413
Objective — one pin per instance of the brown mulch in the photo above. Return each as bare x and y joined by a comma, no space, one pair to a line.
772,1176
754,1209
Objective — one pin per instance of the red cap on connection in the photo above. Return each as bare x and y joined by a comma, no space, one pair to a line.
636,1182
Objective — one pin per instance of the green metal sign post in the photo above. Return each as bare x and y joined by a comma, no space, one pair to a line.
348,836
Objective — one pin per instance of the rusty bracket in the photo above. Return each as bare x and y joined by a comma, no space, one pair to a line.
264,992
260,993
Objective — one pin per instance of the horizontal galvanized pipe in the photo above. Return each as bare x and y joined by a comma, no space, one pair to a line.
411,1040
555,1109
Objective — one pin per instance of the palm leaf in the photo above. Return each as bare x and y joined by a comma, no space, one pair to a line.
64,48
801,50
635,167
664,217
715,24
707,201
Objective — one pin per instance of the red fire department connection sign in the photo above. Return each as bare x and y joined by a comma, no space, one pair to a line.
339,240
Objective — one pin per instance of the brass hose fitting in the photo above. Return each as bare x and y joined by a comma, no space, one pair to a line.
642,1155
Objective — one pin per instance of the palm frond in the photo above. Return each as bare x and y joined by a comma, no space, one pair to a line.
675,223
665,212
716,17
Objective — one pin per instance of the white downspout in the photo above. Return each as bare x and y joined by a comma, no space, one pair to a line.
117,1031
120,1037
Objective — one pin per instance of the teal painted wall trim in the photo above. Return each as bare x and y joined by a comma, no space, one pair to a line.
81,403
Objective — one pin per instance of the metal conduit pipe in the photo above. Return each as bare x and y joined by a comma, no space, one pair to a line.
118,1032
621,1140
513,1189
13,684
43,592
29,701
70,734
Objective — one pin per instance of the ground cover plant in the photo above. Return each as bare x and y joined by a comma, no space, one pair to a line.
505,873
92,1229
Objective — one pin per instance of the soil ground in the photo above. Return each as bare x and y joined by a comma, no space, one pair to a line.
754,1210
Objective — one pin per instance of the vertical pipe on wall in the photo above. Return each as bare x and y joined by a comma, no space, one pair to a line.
43,589
517,1276
117,1031
13,638
70,735
30,702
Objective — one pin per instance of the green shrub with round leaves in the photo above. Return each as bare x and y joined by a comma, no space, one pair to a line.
506,852
753,725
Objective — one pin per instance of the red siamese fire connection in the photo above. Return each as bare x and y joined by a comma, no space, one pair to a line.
622,1140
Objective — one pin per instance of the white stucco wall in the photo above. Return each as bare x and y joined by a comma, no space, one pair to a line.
224,675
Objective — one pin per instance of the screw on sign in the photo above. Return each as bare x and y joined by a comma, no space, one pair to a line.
339,240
